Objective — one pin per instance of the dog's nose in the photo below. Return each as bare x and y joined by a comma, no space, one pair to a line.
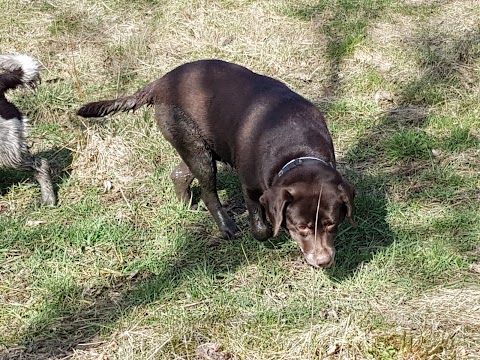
324,260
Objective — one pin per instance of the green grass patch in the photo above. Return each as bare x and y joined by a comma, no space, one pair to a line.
408,145
65,24
345,22
460,140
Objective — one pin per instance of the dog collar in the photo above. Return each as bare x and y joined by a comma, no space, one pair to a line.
302,160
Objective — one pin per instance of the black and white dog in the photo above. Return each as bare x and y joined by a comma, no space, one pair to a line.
19,70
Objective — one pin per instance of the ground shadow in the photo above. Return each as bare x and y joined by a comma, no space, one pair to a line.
56,336
343,24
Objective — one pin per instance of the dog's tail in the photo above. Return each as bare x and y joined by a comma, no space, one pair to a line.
18,70
143,96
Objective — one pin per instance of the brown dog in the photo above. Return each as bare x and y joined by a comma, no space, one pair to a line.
277,141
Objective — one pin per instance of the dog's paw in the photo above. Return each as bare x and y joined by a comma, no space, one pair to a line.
228,229
47,200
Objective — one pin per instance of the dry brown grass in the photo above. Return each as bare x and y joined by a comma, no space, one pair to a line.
102,49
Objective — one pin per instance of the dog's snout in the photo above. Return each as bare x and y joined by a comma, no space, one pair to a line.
325,260
319,261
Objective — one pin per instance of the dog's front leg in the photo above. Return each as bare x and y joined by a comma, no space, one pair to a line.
256,215
226,225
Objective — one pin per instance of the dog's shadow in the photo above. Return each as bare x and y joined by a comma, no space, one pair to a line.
356,247
60,160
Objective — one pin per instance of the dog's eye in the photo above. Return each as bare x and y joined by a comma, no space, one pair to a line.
302,227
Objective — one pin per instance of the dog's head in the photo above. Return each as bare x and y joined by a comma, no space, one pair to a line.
311,209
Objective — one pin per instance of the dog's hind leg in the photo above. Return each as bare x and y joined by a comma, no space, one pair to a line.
41,171
204,168
182,133
182,177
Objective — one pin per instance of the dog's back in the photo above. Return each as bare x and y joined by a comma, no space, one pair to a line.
229,104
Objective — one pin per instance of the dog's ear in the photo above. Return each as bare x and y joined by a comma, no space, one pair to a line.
347,195
274,200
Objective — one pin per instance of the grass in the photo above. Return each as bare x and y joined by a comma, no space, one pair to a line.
124,271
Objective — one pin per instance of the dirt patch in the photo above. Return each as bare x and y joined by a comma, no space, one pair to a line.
108,160
212,351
